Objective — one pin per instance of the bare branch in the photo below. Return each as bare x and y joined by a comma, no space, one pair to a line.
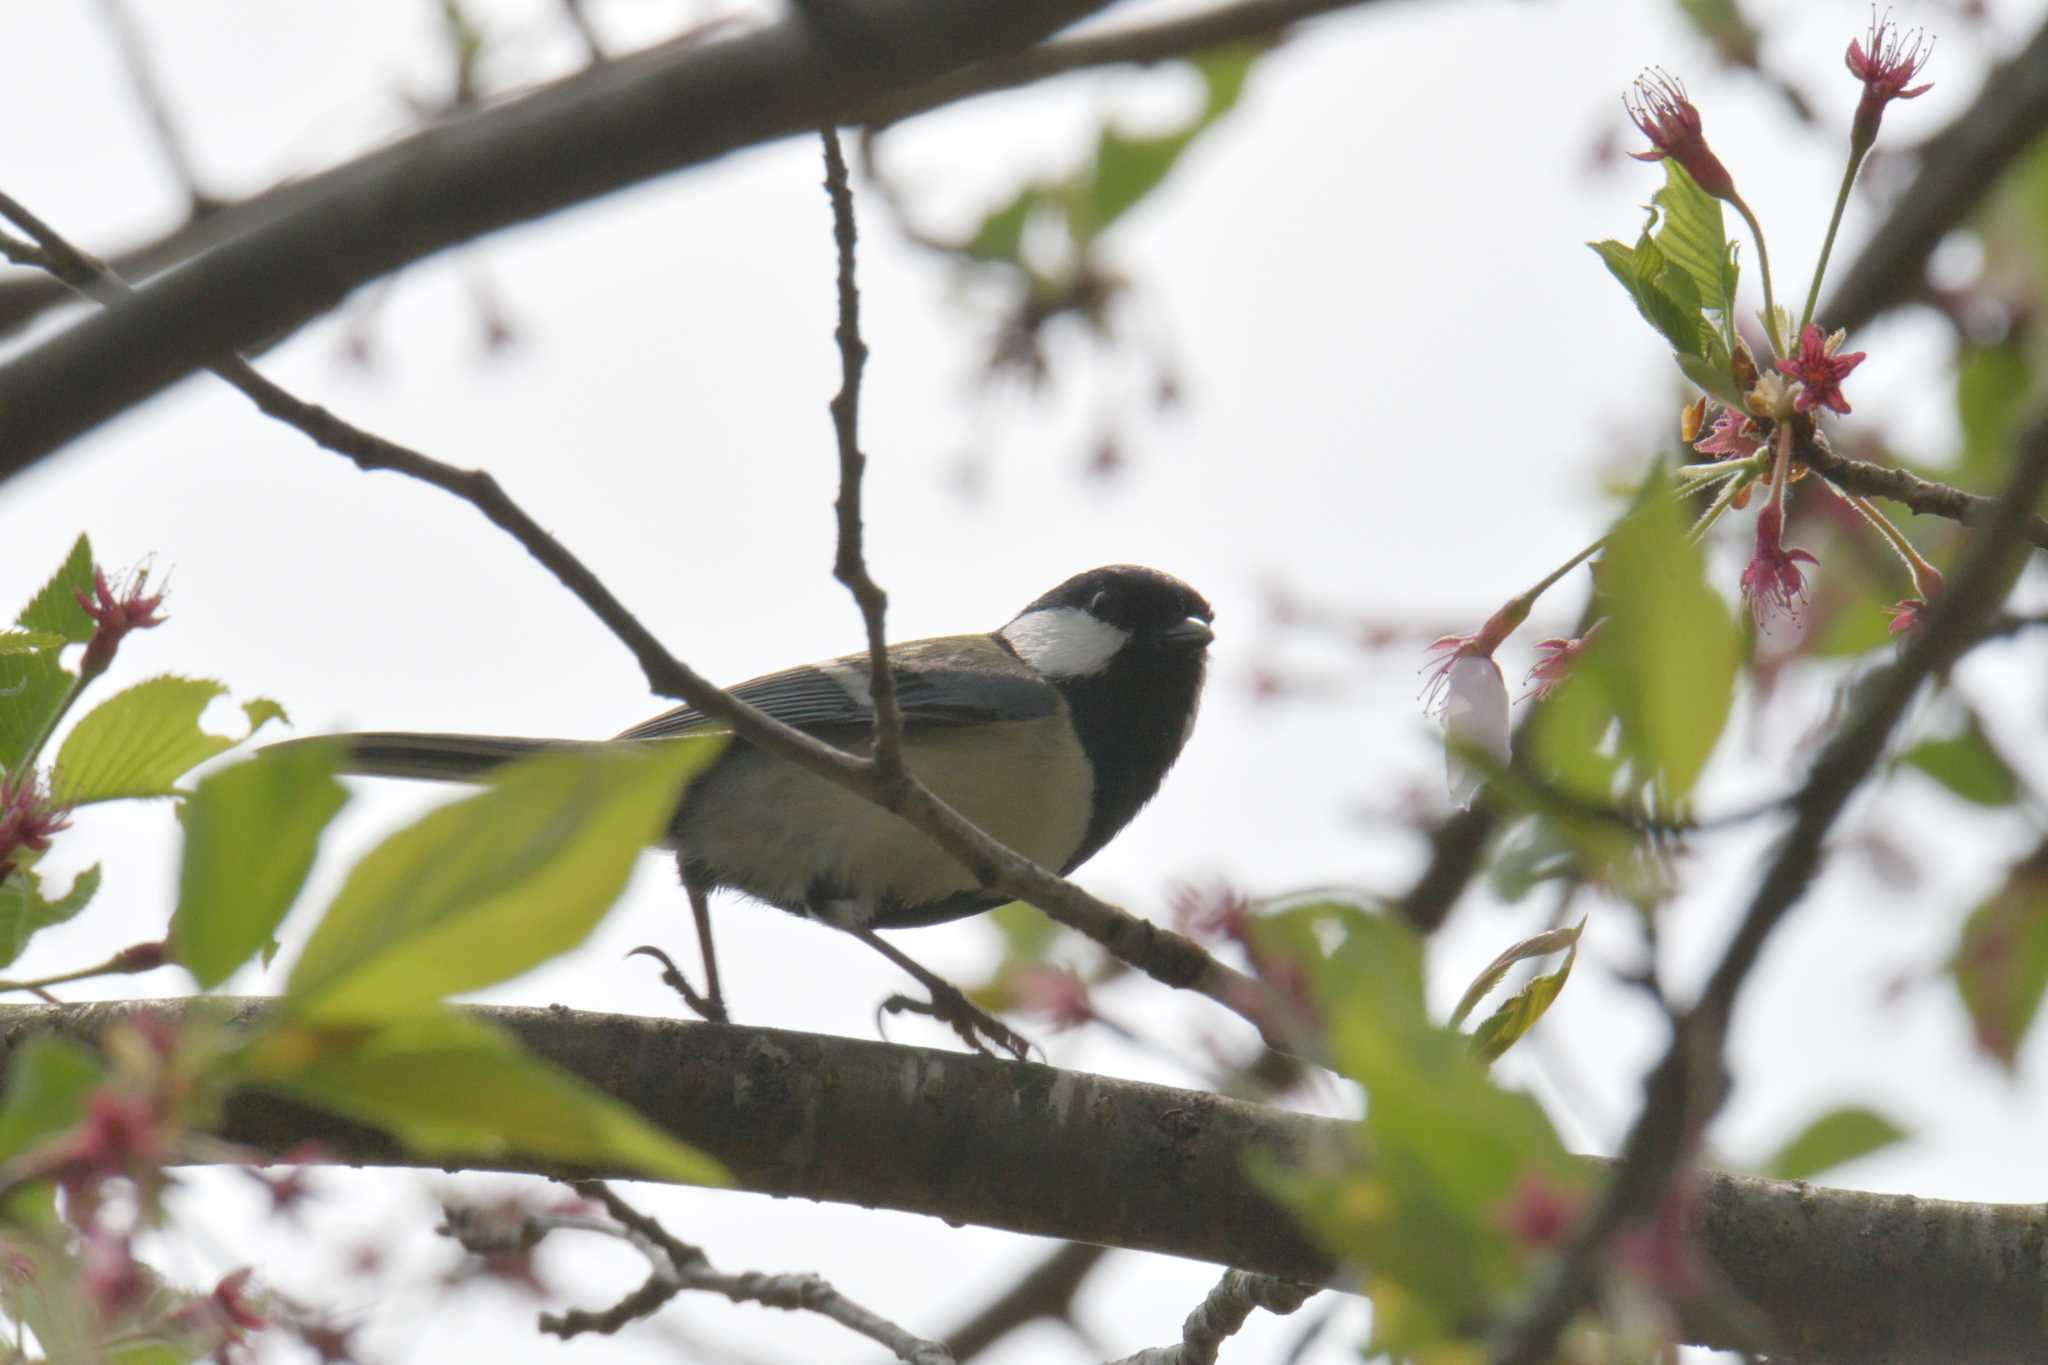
1929,499
1221,1314
850,565
677,1266
1046,1290
1687,1086
155,106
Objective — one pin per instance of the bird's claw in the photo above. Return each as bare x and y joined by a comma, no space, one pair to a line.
975,1026
710,1007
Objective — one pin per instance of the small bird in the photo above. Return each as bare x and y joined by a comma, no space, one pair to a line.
1049,733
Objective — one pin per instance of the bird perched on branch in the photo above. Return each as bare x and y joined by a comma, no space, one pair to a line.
1049,733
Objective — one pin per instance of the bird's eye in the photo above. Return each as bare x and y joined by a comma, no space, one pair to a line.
1100,604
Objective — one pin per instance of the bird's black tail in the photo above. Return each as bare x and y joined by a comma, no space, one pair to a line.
430,757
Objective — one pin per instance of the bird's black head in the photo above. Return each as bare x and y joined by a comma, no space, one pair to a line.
1126,646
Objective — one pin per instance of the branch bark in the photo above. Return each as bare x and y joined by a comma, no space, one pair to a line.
1841,1275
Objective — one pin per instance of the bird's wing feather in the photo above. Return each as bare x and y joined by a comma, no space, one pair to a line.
955,680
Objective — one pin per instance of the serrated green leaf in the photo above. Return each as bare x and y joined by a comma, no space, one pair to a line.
1507,1025
251,831
29,641
1967,764
55,607
1651,284
1692,236
493,885
24,912
1537,945
139,742
452,1087
1836,1137
34,684
2000,965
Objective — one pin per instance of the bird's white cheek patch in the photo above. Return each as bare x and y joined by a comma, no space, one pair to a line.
1064,642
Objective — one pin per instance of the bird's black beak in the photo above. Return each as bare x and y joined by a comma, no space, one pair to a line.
1193,633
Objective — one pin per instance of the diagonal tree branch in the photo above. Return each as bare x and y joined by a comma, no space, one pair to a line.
1843,1275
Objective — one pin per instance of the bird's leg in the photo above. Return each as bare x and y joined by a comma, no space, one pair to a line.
947,1005
711,1004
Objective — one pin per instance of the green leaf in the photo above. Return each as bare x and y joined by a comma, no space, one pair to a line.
1538,945
1692,236
47,1082
1834,1138
251,831
1000,235
55,607
1506,1026
34,684
2000,965
141,741
1418,1206
1663,665
493,885
450,1087
1126,169
1642,272
1994,388
1967,764
24,912
29,641
1027,931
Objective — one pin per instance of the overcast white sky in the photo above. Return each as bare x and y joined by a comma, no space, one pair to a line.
1404,376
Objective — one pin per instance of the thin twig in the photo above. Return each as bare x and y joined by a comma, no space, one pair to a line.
1683,1091
1910,490
1046,1290
850,565
675,1265
1221,1314
1165,956
155,106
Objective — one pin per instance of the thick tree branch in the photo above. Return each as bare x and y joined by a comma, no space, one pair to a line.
1958,166
1843,1275
610,126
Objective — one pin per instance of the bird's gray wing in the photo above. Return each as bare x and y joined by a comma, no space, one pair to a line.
954,680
